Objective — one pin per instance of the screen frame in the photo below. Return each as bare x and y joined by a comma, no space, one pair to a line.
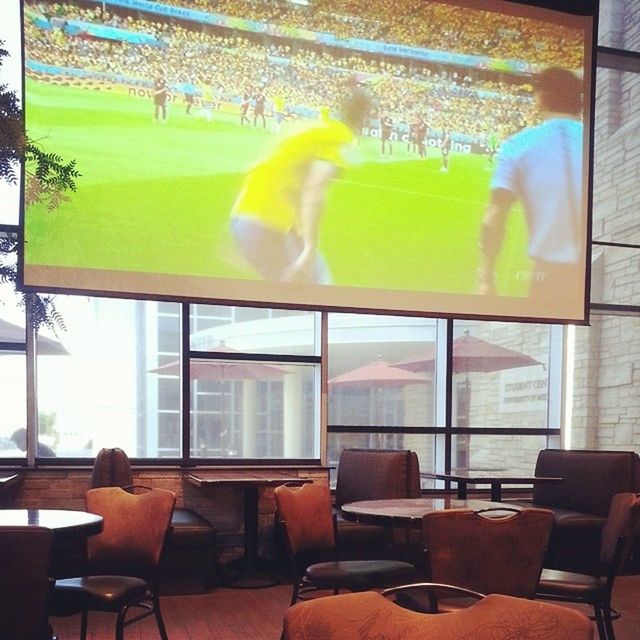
307,296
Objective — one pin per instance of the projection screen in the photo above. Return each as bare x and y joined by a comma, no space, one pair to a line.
410,157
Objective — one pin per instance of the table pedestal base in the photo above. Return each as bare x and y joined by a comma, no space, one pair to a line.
250,573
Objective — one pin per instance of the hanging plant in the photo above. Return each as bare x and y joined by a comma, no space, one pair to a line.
47,178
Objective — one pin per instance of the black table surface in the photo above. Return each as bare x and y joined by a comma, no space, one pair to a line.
66,524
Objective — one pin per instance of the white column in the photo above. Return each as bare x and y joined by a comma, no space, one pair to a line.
293,418
249,419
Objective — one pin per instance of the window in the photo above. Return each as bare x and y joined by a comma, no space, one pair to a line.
254,381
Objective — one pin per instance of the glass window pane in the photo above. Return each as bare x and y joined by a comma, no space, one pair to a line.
427,447
254,410
13,417
509,454
381,370
500,374
251,330
105,391
13,374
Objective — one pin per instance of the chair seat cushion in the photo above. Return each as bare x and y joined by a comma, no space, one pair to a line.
569,523
358,575
189,530
100,593
569,585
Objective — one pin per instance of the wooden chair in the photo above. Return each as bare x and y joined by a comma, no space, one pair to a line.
305,518
618,535
24,583
372,615
123,560
490,551
191,547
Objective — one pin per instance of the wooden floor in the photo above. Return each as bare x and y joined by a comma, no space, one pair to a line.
238,614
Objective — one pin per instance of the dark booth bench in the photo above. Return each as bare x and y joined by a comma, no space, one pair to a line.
581,501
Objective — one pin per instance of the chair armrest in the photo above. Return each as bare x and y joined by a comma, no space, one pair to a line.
429,593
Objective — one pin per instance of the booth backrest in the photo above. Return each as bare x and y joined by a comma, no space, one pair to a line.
111,469
590,478
377,474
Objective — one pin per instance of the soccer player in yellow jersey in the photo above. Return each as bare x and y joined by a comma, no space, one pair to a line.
276,216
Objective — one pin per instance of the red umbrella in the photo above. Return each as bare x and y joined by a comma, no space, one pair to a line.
224,369
471,354
376,377
377,373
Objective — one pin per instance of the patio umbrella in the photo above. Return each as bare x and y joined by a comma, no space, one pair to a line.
471,354
226,371
15,334
223,369
377,373
375,377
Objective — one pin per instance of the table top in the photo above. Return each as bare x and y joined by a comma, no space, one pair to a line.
490,475
66,524
10,479
412,509
243,478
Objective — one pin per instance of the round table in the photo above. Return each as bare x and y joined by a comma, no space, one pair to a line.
409,511
66,524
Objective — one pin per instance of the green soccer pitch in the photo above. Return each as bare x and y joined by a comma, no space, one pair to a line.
155,198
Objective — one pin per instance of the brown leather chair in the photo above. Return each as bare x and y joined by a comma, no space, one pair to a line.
123,560
492,551
24,583
372,474
305,518
372,615
191,547
620,531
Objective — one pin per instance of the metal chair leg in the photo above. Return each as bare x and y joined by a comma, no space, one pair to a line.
158,615
84,620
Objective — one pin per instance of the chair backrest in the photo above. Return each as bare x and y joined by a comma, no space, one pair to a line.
134,530
24,584
376,474
370,615
306,517
619,533
111,468
487,554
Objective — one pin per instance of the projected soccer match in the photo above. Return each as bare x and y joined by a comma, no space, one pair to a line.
411,157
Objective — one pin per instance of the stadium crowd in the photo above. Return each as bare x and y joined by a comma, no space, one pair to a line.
410,22
232,65
415,22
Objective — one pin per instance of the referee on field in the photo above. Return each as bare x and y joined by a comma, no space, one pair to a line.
541,166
